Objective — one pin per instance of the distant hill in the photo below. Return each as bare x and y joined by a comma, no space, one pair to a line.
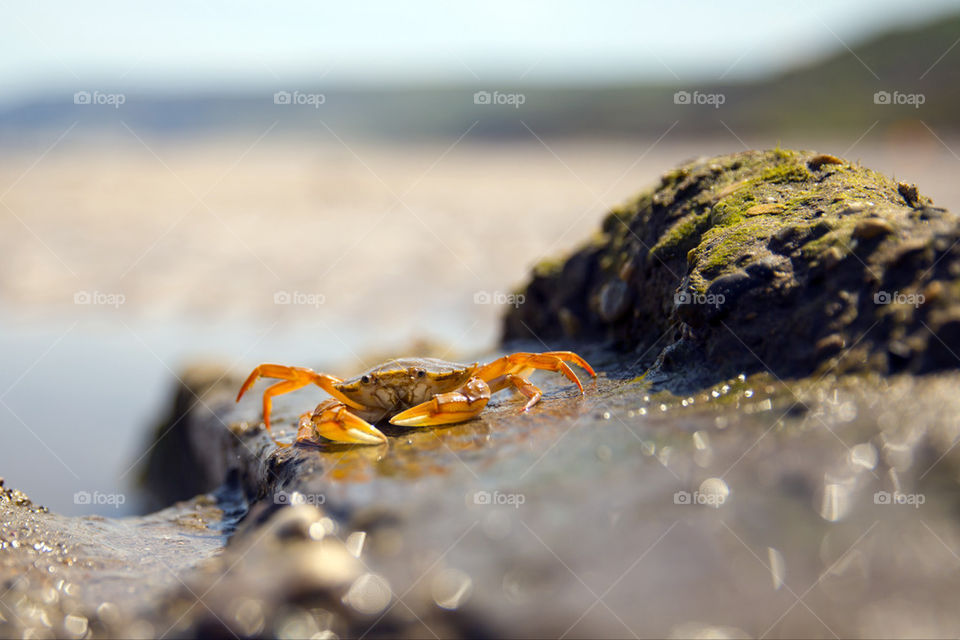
836,93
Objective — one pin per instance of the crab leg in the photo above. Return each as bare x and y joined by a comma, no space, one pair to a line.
520,363
447,408
294,378
521,384
331,420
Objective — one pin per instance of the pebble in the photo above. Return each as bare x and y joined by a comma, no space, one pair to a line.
871,228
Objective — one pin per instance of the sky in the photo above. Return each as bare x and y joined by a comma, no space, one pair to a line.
190,46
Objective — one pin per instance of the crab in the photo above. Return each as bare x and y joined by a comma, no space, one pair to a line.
409,392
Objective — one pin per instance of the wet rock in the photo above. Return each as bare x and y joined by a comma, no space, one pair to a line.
613,300
655,502
101,577
909,192
807,251
615,513
869,228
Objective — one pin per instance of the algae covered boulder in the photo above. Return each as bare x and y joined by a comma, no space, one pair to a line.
781,260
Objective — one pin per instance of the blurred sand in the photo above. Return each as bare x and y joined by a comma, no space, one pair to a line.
394,240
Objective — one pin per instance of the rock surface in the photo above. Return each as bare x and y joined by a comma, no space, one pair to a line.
763,260
750,508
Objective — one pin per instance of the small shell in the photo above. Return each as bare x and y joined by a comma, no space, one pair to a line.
763,209
824,158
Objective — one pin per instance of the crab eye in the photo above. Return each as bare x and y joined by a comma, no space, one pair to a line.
365,379
421,373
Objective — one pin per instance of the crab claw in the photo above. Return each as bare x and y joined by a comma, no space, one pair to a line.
447,408
335,422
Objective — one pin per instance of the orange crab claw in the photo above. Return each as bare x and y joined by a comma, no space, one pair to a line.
447,408
332,420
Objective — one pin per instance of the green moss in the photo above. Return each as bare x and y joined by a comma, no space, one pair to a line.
839,237
730,210
674,176
549,267
682,234
784,154
722,245
801,201
786,172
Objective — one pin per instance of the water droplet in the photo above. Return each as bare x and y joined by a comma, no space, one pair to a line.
108,613
894,480
836,502
778,567
328,525
451,588
714,491
75,625
846,412
863,455
248,615
49,595
296,623
663,455
606,415
317,530
701,439
748,393
369,594
354,543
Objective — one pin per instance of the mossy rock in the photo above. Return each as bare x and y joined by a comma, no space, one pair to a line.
787,260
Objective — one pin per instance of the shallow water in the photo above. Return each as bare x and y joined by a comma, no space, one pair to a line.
79,398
